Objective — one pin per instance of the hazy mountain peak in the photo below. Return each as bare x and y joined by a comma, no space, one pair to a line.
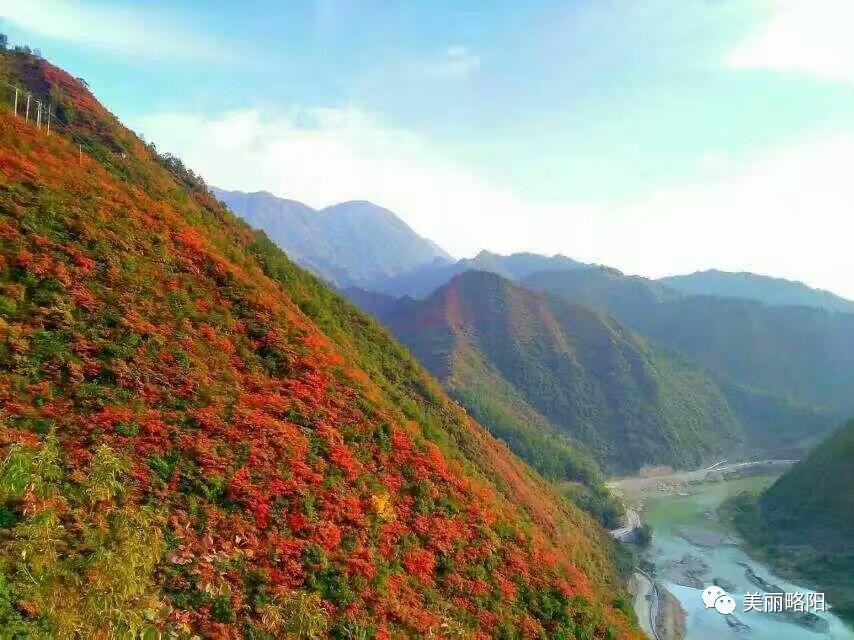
753,286
359,207
794,352
562,367
485,254
351,243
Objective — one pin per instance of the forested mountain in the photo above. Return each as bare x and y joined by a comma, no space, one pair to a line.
347,244
375,304
813,501
801,354
422,281
530,366
200,439
804,523
772,291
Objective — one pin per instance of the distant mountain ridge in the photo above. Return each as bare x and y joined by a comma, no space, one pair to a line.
348,244
773,364
358,244
763,421
520,360
772,291
421,282
800,353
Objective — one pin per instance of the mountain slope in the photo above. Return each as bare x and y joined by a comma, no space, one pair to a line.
799,353
813,500
772,291
422,281
804,522
562,368
375,304
518,265
202,439
348,244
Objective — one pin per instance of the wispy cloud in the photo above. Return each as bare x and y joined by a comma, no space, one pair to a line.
808,36
455,62
753,216
324,156
126,31
786,213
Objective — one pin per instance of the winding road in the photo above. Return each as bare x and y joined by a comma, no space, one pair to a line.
647,602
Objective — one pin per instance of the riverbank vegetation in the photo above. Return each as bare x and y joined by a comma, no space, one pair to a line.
803,525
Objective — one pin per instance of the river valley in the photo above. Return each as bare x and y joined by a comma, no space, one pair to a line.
691,549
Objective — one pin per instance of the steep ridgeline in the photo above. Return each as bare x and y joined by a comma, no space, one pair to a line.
771,291
199,438
800,354
348,244
526,364
422,281
804,523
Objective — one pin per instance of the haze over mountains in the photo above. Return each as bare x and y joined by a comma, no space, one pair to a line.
801,353
526,362
348,244
773,291
508,354
361,245
201,438
672,371
422,281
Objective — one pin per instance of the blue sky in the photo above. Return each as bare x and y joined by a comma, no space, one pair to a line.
660,136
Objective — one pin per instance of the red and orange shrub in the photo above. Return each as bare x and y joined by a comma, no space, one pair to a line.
293,496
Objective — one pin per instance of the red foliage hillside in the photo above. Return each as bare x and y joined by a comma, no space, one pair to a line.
283,484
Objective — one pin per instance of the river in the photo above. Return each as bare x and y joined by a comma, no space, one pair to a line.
690,546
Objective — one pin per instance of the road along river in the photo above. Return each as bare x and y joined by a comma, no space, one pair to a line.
691,550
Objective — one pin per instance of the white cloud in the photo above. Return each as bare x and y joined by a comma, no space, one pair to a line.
324,156
104,26
455,62
810,36
786,215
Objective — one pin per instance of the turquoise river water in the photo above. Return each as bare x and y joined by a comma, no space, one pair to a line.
670,517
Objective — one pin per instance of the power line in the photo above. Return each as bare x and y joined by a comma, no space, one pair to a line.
44,117
43,107
45,120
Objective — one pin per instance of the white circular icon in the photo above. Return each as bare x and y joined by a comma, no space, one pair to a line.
710,594
725,604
